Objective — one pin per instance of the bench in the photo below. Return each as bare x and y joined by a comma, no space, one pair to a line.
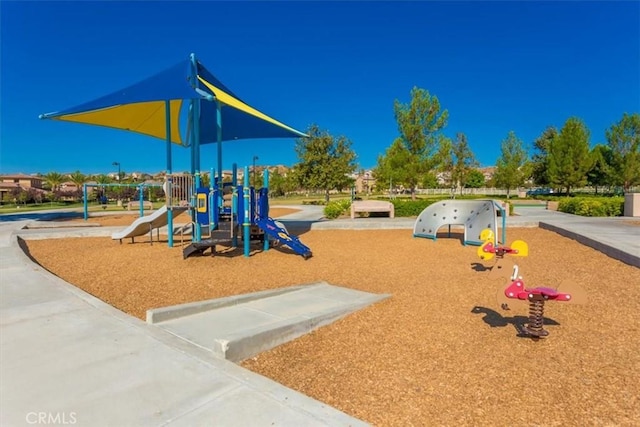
136,205
372,206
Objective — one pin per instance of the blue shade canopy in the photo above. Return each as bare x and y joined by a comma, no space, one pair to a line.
141,108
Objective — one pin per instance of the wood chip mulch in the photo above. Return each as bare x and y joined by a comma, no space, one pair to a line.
440,351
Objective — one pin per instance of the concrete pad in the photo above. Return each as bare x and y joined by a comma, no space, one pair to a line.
263,320
615,239
157,315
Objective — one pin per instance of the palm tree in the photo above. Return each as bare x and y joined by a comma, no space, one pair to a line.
103,179
54,179
78,180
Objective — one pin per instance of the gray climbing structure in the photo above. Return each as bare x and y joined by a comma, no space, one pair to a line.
474,215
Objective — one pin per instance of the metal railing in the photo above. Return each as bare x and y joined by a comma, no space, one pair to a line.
178,189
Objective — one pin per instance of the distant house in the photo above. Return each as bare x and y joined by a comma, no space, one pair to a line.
67,190
488,172
364,181
141,176
22,180
10,183
68,186
443,178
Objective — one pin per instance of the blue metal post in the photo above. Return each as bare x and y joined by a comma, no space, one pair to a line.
234,201
167,119
219,138
198,231
246,233
85,202
141,191
212,218
195,153
265,185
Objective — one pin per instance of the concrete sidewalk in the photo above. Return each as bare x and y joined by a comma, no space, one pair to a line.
617,237
71,358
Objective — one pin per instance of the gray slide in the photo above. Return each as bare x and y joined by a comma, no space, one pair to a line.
147,223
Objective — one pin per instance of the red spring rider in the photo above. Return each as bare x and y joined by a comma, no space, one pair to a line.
536,297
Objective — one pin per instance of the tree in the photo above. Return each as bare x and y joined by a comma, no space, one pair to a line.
53,179
419,125
445,150
277,185
325,161
34,195
624,140
601,171
391,169
510,167
475,179
78,179
569,156
540,161
22,196
205,180
429,180
459,160
103,179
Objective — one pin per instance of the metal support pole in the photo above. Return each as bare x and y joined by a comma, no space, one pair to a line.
246,234
211,205
167,120
219,138
234,174
141,191
195,152
255,183
85,202
234,202
265,184
198,231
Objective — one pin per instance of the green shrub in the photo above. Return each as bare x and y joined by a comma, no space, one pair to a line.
336,208
313,202
592,206
408,208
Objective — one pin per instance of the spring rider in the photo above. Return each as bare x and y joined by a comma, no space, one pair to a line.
516,289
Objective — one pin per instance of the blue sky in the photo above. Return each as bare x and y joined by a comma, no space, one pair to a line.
495,66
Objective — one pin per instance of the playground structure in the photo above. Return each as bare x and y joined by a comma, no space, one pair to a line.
474,215
227,213
517,290
184,105
232,212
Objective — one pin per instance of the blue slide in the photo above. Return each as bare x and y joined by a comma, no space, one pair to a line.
272,229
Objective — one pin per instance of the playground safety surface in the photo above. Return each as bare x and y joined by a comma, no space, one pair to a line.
437,352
